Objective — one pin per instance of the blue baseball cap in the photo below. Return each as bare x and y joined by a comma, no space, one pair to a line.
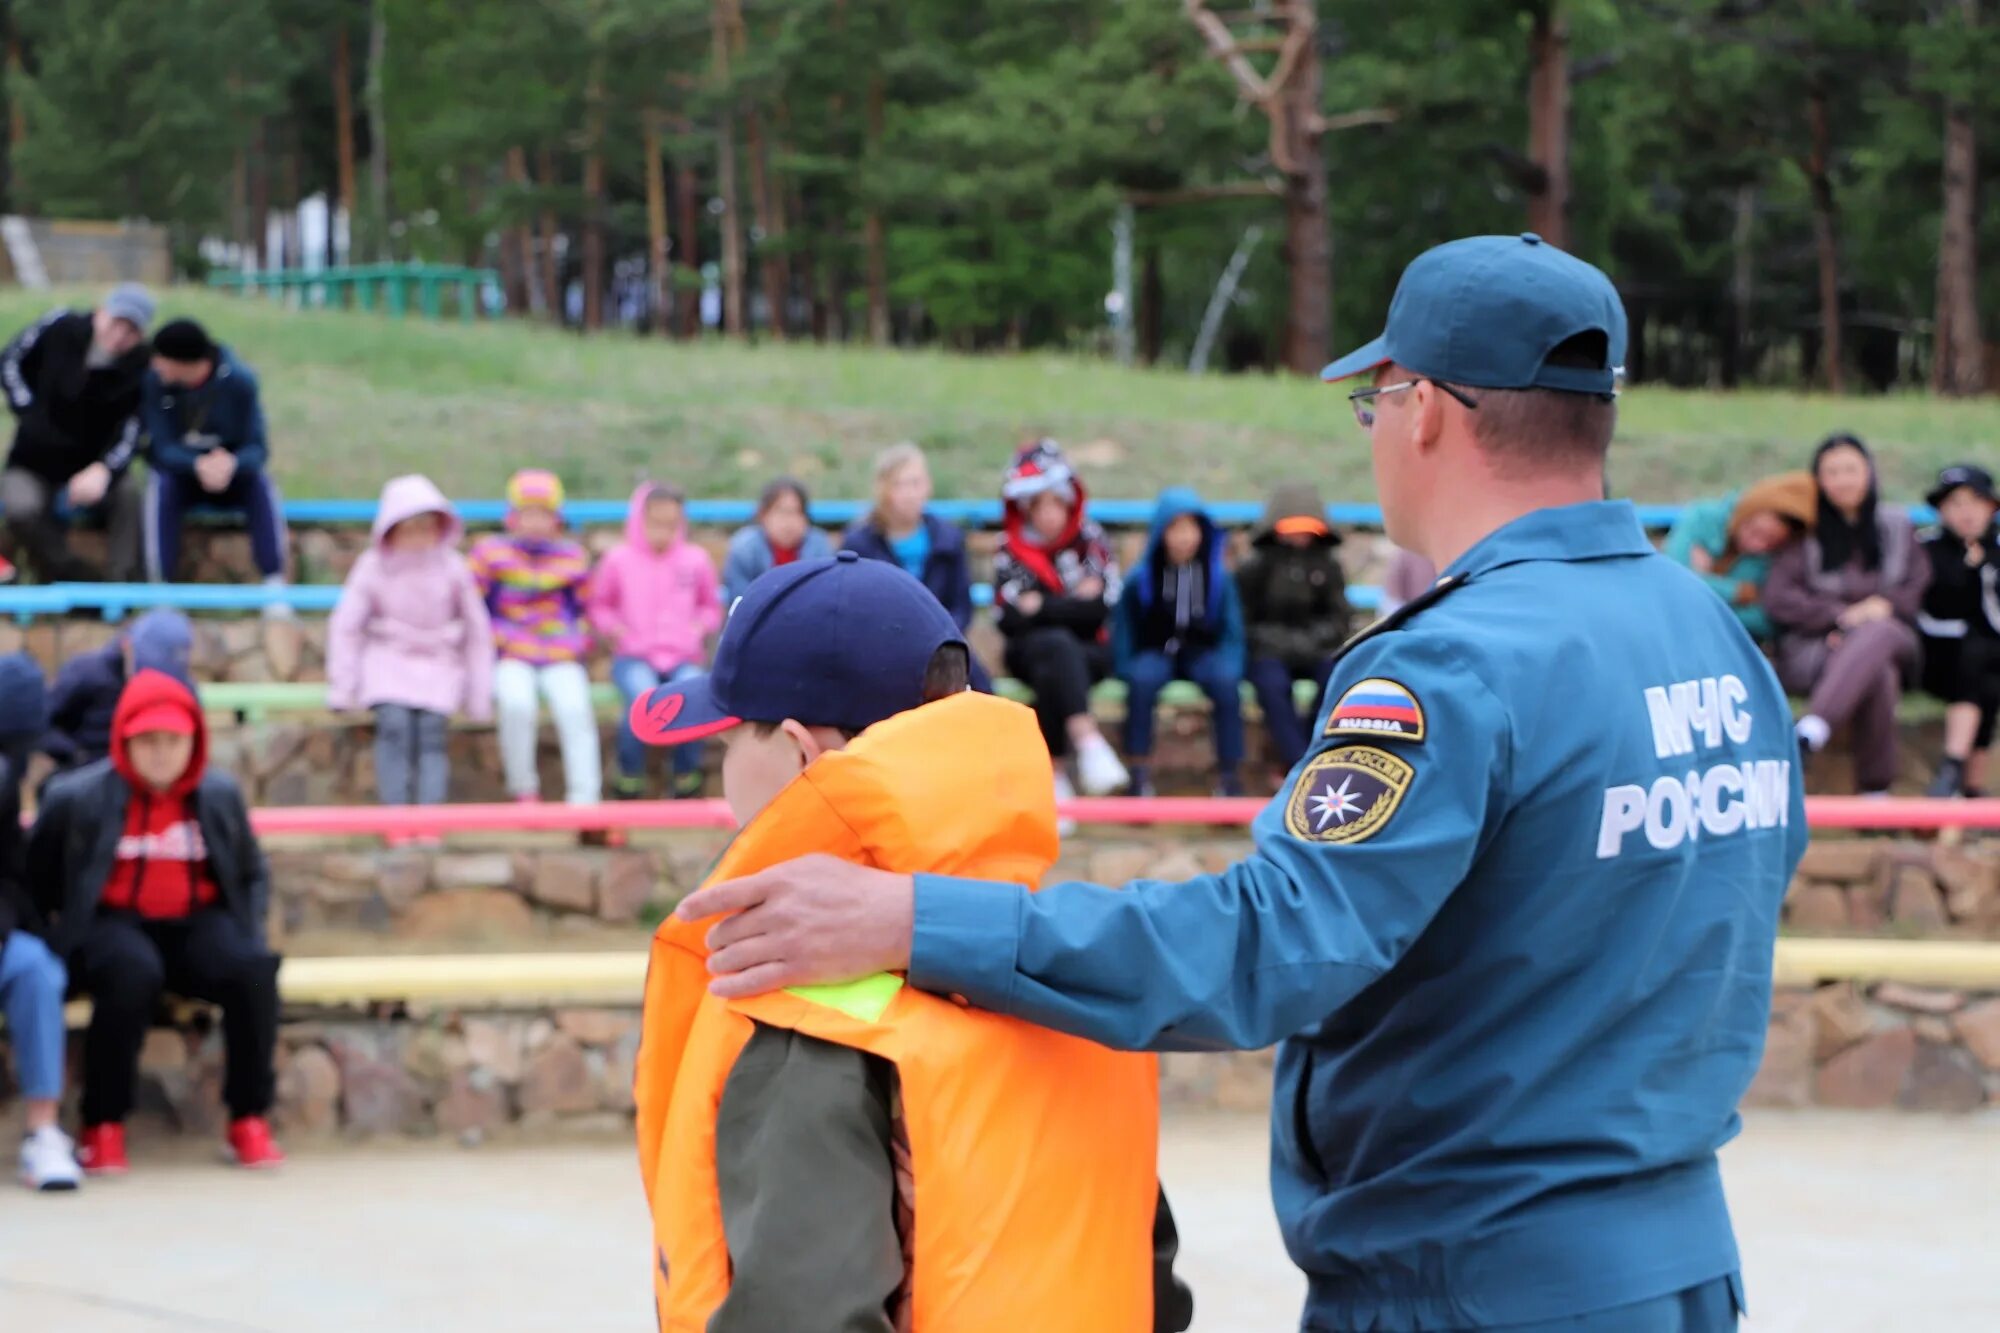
1486,312
836,642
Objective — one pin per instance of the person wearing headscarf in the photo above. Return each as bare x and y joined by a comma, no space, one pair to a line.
1729,541
1845,603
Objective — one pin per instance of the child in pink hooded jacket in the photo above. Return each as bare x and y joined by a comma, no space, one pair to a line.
655,598
411,640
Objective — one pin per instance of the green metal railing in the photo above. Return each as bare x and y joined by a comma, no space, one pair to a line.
387,287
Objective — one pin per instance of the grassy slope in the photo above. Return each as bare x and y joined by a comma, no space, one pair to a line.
354,399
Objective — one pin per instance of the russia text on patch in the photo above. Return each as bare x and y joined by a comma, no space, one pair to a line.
1380,709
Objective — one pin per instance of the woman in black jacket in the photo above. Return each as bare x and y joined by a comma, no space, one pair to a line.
1960,623
1295,604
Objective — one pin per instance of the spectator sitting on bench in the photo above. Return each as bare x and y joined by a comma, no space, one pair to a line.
901,531
536,583
654,598
781,533
149,871
1960,624
208,451
1294,597
1178,618
411,640
73,383
1728,542
87,688
32,978
1054,580
1845,602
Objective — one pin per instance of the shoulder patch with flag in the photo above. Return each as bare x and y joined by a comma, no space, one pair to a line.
1380,709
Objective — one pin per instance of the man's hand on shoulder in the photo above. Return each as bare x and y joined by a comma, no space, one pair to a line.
815,919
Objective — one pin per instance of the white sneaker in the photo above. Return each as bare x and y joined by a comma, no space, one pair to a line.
1065,791
1098,769
48,1161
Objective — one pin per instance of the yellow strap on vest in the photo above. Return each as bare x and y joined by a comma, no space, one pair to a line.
866,1000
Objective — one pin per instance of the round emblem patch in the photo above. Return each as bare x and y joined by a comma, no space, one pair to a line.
1347,795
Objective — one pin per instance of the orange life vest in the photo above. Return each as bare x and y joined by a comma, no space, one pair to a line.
1034,1154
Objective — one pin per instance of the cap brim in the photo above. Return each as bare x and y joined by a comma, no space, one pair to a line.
679,713
168,717
1359,361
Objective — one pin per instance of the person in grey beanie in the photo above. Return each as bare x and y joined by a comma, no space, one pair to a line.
72,380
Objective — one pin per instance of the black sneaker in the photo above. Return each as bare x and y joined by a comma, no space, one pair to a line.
1950,780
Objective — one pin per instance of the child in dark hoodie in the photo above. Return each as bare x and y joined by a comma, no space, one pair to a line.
148,868
1179,619
1295,602
87,688
1054,582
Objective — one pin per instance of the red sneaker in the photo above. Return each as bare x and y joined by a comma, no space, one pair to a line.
251,1144
101,1151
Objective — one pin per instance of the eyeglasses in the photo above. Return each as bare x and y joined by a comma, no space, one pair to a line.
1364,399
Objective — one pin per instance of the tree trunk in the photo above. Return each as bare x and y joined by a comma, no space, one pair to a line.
17,114
593,197
1548,123
1152,306
1742,286
260,194
766,203
545,165
378,130
1308,240
1958,366
725,178
517,251
687,186
657,283
1818,169
874,237
343,116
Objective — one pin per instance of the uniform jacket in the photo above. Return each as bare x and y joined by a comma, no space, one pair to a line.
1512,922
224,407
1294,598
74,845
658,606
411,629
1190,608
68,415
1028,1215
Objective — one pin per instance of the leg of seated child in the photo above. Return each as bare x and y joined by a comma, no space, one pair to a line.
32,981
1272,681
566,685
634,677
120,969
433,761
395,728
1224,689
514,710
220,961
1146,674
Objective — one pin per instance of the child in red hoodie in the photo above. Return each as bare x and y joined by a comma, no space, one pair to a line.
148,866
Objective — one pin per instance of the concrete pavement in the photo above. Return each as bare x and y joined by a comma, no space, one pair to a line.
1850,1224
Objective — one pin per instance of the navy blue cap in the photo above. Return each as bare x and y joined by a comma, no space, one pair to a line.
1486,312
836,642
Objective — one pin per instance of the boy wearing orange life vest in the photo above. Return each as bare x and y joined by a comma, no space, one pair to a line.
866,1156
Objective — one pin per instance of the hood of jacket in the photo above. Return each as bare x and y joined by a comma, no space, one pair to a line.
1036,469
1293,499
145,690
635,523
1179,502
405,498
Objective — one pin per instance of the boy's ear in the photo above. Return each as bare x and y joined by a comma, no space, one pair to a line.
802,736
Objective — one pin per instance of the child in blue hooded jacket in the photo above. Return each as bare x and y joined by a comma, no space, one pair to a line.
1179,618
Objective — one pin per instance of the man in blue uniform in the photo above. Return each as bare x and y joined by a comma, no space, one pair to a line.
1512,916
